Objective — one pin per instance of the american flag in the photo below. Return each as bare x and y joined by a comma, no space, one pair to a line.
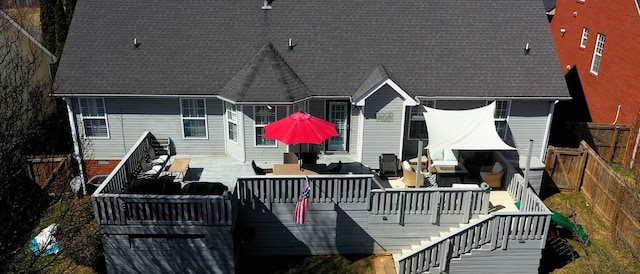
300,214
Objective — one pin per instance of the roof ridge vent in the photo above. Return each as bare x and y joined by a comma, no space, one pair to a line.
267,4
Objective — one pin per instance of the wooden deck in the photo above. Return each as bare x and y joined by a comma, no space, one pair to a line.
348,213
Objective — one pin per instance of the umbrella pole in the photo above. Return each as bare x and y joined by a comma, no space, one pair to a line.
300,155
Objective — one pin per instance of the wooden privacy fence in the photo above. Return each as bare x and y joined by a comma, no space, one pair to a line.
52,173
609,141
612,198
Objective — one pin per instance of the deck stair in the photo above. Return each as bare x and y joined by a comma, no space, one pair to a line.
424,242
161,145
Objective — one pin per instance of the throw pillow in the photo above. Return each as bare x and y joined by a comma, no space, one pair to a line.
436,154
497,168
407,166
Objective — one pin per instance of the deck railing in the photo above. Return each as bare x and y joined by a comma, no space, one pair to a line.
462,203
495,230
287,189
118,179
136,209
114,207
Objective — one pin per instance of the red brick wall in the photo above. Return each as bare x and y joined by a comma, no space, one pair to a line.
99,167
618,79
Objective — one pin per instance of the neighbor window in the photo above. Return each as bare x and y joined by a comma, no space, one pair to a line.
500,116
585,35
638,6
263,115
597,54
194,120
94,118
417,124
232,121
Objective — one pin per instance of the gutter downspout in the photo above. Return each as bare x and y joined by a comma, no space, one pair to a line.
635,150
547,133
76,143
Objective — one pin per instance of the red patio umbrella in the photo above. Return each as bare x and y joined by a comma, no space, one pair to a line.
300,128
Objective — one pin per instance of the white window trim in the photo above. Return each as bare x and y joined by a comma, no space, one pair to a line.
83,117
204,118
505,119
598,54
256,126
584,38
423,103
638,6
234,121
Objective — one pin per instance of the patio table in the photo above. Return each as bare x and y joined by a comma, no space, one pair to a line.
180,166
294,169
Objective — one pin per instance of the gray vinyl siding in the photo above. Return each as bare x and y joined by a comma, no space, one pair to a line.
381,137
528,120
263,155
128,118
518,258
460,104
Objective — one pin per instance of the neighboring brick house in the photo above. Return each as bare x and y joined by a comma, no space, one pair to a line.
600,40
598,44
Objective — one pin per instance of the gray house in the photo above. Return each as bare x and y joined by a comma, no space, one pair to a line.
209,75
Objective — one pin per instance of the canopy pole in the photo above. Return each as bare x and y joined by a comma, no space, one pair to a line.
526,171
419,168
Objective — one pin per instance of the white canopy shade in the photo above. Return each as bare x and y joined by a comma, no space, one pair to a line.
471,129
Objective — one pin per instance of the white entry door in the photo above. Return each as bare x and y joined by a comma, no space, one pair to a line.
339,115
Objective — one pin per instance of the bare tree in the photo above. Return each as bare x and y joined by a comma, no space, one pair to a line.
31,123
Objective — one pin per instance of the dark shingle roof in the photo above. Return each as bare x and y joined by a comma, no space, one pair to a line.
378,75
265,78
194,47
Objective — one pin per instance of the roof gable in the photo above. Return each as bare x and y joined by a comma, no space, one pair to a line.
377,79
266,77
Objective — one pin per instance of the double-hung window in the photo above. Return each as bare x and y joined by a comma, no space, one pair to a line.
194,118
232,121
417,124
263,115
585,35
500,116
597,54
94,118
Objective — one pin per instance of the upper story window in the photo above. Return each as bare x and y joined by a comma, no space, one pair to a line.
585,35
417,124
194,120
597,54
231,114
501,114
263,115
638,6
94,118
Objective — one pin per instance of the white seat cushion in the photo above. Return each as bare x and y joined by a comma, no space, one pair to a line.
153,170
407,166
497,168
